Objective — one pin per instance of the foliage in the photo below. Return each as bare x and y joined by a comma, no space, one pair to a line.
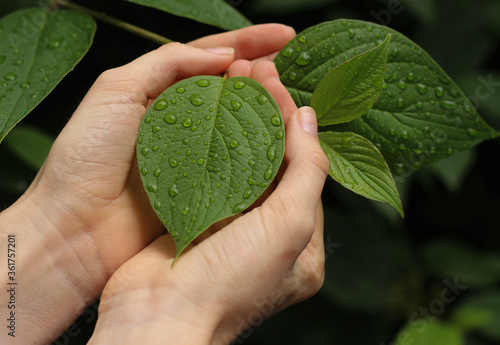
381,272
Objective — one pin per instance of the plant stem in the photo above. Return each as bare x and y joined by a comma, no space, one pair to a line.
103,17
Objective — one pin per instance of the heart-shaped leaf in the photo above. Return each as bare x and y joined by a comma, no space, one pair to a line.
207,148
213,12
37,49
421,115
358,165
350,89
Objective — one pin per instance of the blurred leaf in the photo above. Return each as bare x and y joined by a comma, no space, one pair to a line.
453,171
371,260
482,303
357,165
424,10
427,332
452,259
10,6
30,144
35,56
284,7
213,12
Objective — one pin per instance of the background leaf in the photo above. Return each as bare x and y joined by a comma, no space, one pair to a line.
207,149
430,332
357,165
213,12
421,115
449,259
37,49
30,144
350,89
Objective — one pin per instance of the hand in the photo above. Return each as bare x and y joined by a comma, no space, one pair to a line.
86,213
258,264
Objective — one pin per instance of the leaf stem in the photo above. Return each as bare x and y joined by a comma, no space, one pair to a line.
103,17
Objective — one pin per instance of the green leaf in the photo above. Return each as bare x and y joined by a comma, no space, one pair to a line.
453,171
358,165
421,115
485,305
429,332
350,89
37,49
208,147
214,12
30,144
449,259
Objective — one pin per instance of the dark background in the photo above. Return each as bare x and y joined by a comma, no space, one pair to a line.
380,269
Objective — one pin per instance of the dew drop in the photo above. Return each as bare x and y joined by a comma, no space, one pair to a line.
271,152
276,119
472,132
303,39
421,88
157,172
261,99
54,44
147,119
181,89
268,173
287,52
449,151
401,102
173,100
392,131
247,193
448,105
402,85
236,105
427,115
196,100
144,151
155,148
239,207
351,33
203,83
173,162
185,211
161,104
157,205
201,161
404,135
187,122
332,50
419,105
279,134
292,76
238,85
234,143
144,171
18,62
170,118
439,91
10,76
156,129
304,59
251,163
151,187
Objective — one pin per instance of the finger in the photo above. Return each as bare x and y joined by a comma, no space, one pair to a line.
282,97
263,70
240,68
146,77
291,209
252,42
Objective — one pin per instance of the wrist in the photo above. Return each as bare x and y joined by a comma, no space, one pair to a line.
57,274
154,316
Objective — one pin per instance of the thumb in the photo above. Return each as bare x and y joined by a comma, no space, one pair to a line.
152,73
294,202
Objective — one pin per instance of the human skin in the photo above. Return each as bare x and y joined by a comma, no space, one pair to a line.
86,215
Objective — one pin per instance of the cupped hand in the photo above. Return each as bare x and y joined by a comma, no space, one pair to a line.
89,182
254,266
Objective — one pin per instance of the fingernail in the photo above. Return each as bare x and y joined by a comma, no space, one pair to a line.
221,50
307,119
